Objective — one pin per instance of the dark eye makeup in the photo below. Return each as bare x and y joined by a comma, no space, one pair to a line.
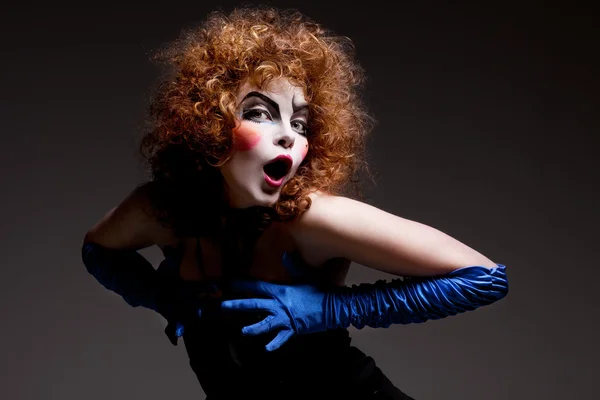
256,115
257,112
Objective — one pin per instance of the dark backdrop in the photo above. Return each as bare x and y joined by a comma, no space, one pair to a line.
487,130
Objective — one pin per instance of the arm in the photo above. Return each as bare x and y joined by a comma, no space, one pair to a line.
110,247
302,309
109,253
454,278
130,225
339,227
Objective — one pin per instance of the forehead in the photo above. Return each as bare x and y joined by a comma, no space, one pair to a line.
280,90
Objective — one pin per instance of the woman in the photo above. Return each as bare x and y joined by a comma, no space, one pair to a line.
253,139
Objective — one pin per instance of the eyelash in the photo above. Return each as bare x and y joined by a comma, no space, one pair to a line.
305,133
251,115
247,115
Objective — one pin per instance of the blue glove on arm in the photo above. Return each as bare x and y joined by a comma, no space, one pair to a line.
129,274
306,309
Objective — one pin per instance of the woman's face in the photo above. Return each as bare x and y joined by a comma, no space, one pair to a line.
269,143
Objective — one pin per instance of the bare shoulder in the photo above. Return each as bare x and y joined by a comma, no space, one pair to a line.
308,229
131,224
341,227
326,209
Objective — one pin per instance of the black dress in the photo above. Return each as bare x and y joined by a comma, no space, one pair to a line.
231,366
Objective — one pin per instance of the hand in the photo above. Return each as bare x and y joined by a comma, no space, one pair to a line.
292,309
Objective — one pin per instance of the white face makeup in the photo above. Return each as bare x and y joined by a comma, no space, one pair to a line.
269,143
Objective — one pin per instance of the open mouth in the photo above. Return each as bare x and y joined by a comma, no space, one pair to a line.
277,168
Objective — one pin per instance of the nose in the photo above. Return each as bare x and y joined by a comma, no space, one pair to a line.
286,138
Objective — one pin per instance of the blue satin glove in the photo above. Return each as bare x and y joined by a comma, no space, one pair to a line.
129,274
293,309
303,309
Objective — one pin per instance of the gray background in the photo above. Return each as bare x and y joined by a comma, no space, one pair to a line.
488,125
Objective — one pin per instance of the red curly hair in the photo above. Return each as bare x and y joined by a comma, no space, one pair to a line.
192,112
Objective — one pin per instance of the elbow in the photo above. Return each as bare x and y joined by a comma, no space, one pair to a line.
93,255
482,285
495,286
90,237
499,282
87,252
87,249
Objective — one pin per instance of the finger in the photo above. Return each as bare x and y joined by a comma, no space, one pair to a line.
179,329
279,340
267,325
249,305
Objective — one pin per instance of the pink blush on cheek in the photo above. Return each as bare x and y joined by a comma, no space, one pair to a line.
245,138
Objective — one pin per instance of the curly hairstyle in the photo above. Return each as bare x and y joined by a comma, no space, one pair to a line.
192,111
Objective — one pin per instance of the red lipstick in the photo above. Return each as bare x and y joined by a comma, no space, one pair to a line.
277,169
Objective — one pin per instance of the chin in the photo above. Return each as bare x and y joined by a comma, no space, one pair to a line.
266,203
266,200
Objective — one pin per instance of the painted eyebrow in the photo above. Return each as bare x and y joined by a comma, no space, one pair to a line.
301,107
264,98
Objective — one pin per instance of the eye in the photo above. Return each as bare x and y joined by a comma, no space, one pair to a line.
300,127
256,115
